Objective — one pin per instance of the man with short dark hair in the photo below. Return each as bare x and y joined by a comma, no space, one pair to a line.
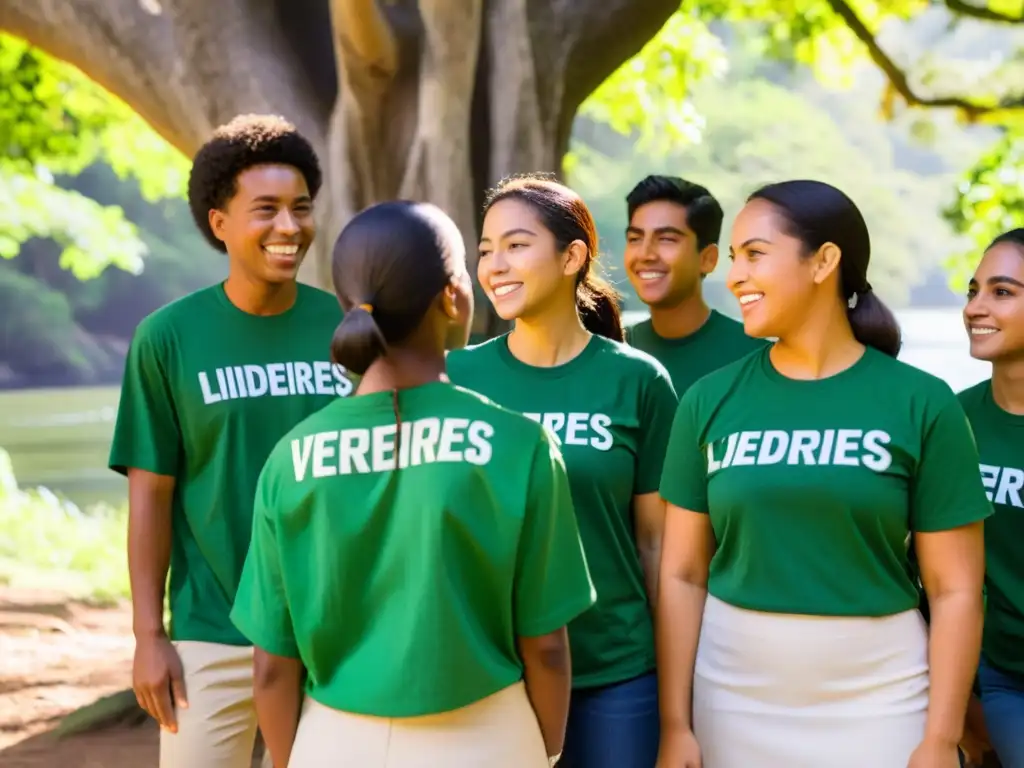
212,382
671,246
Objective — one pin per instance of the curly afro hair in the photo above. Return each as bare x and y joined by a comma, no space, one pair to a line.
246,141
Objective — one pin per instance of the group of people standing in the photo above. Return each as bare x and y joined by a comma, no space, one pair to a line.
692,542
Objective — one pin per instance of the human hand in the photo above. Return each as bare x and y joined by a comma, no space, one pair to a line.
679,750
159,681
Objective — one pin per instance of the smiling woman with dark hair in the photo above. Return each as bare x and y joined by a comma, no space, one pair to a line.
994,317
610,406
795,478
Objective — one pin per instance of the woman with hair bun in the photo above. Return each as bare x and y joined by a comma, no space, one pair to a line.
796,478
415,549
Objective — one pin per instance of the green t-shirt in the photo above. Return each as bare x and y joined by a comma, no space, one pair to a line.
814,487
403,592
611,409
1000,437
208,391
720,341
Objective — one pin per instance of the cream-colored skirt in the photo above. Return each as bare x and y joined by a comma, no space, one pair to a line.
785,691
500,731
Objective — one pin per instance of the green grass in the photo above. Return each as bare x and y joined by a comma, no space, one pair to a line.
48,542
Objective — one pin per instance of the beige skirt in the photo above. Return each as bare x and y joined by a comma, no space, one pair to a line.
785,691
500,731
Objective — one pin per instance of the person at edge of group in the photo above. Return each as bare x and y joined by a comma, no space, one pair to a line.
212,382
994,317
795,479
671,246
610,406
414,546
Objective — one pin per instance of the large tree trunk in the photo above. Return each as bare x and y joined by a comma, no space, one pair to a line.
434,100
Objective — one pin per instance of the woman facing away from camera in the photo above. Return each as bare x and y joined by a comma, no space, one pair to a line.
994,317
415,549
610,406
796,478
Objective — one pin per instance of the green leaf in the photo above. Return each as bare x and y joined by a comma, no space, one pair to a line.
93,236
54,121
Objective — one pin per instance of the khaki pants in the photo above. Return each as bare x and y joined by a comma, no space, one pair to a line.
500,731
218,730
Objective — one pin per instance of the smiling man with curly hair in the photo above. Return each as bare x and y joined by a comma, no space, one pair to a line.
211,383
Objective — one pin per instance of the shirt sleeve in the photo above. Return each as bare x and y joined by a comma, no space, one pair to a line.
147,434
947,489
261,611
658,406
553,583
684,479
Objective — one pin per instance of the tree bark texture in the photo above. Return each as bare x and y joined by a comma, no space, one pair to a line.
432,100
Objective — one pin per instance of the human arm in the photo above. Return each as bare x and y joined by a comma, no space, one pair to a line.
649,514
147,447
277,689
658,408
948,505
149,548
552,587
686,556
547,674
687,549
156,672
952,571
262,613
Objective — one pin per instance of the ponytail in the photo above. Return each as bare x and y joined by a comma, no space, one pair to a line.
357,341
873,323
598,305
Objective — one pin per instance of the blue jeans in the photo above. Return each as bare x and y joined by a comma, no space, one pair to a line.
1002,701
614,726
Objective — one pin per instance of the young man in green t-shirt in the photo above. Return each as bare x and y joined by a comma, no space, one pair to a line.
671,246
212,382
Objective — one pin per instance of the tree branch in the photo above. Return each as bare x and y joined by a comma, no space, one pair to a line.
180,64
85,34
527,61
899,80
603,34
364,37
984,13
439,166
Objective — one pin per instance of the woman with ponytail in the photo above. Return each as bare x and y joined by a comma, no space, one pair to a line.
610,406
788,629
414,551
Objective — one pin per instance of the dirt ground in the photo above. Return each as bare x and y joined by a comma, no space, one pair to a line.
57,656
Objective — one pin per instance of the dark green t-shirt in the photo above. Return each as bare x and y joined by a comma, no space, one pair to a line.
1000,438
611,409
720,341
208,390
403,591
814,487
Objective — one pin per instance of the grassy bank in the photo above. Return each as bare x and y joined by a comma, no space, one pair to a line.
48,542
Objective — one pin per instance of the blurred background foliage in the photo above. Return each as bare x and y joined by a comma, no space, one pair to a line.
95,232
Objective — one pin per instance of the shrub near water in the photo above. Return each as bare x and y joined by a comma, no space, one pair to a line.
48,542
